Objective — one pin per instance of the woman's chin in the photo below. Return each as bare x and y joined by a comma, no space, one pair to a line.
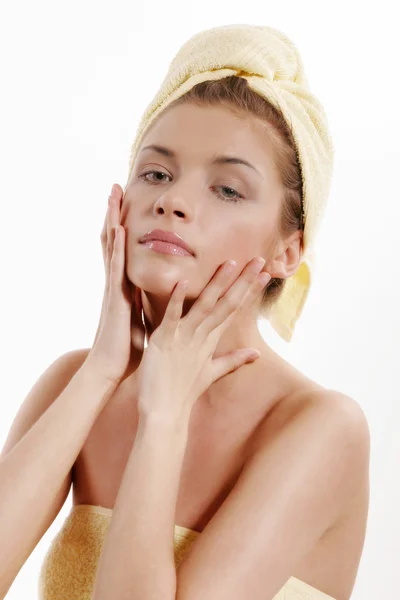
156,287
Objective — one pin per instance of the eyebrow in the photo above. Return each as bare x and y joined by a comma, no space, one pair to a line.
219,160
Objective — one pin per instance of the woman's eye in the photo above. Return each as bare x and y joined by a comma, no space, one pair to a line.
236,197
144,176
233,195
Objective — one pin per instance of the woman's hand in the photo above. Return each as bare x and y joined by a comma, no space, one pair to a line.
119,341
178,363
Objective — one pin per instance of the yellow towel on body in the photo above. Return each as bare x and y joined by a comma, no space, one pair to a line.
273,67
69,568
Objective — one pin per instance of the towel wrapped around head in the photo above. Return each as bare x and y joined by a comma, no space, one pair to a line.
273,68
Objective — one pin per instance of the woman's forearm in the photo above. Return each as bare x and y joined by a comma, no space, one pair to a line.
137,560
32,472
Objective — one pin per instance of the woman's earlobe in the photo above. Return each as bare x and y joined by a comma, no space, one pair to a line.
277,269
287,263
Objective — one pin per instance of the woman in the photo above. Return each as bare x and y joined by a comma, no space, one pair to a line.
200,470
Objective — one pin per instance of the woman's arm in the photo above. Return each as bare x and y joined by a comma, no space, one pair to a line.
137,560
33,471
292,490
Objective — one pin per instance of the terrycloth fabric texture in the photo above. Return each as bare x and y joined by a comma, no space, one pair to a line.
273,67
69,568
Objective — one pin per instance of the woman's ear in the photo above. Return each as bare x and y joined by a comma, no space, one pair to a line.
287,257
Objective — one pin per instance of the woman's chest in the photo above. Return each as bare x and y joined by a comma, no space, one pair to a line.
219,444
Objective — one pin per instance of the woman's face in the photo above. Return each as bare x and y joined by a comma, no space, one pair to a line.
222,210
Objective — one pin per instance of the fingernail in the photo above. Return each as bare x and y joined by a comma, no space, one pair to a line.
260,262
264,278
229,267
112,190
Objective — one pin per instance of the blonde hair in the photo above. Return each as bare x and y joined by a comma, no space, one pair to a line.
235,92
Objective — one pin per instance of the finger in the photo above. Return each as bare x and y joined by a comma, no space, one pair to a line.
103,236
254,292
253,296
113,213
232,361
120,304
113,218
103,239
109,240
208,298
228,304
174,309
117,266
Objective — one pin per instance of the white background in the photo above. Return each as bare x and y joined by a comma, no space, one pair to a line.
76,77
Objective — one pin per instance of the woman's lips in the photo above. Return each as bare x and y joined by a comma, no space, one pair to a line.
165,248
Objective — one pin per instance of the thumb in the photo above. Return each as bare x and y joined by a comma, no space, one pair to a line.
232,361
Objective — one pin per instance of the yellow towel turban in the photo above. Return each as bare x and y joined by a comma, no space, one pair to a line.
273,68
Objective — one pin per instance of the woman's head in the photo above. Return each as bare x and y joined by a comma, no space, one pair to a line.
208,70
222,209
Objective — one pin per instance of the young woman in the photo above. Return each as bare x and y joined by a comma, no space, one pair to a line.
199,470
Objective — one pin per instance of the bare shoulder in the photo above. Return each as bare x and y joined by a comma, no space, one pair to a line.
323,408
44,391
349,421
329,415
344,416
334,427
342,410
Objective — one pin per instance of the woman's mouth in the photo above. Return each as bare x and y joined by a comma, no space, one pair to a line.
165,248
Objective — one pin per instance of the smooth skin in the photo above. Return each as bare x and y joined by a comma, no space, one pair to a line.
46,437
190,342
188,202
305,480
223,211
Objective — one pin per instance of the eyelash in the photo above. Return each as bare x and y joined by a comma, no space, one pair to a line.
237,198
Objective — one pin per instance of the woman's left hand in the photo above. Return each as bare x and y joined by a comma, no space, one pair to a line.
178,364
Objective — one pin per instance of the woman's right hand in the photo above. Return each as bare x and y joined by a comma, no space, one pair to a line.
119,342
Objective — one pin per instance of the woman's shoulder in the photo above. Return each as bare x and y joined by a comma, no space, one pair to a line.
333,426
297,394
314,400
300,403
318,407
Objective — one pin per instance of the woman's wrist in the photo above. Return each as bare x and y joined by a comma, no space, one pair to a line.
164,423
97,371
